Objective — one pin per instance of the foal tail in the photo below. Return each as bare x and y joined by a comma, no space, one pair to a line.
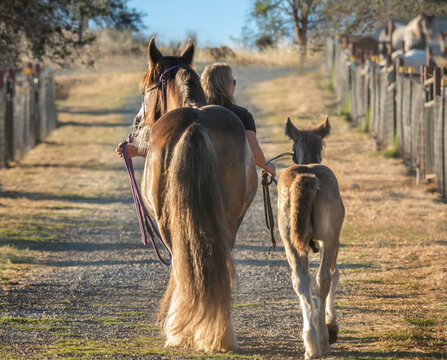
196,308
302,196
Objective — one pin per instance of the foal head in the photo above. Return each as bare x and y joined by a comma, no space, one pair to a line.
182,84
308,144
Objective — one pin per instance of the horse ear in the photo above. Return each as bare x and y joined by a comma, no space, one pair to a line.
153,54
291,131
188,52
325,128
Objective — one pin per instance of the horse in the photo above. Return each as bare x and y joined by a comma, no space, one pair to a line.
415,34
198,181
310,216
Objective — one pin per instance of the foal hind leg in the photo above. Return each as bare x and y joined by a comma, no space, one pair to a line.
331,314
324,277
302,284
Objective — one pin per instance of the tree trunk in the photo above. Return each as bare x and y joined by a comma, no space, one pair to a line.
300,26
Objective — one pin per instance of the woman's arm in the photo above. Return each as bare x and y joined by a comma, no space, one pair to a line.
132,151
258,154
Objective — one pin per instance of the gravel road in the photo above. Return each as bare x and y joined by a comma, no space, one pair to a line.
99,284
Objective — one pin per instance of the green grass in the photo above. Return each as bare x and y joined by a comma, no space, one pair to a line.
246,305
10,320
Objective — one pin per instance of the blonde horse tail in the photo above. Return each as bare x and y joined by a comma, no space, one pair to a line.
196,308
302,196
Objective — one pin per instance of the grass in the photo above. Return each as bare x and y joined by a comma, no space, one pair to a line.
70,346
247,305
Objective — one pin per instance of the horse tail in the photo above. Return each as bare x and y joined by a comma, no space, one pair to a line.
196,308
302,196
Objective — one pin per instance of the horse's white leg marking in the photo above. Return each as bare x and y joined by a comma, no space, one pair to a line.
328,256
331,314
301,281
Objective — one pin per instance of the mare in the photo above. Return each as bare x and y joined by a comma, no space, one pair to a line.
198,181
310,215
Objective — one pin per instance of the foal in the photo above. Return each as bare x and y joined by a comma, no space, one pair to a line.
310,215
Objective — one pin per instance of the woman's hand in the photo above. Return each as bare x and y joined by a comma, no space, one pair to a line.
132,150
271,168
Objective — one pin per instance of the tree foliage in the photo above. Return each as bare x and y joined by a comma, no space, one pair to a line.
280,18
304,19
56,29
349,17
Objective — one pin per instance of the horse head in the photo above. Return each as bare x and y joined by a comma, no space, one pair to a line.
308,144
426,24
169,83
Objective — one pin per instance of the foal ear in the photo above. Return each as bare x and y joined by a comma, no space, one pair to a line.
153,54
291,131
325,128
188,52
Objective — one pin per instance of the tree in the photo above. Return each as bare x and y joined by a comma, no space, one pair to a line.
318,18
302,15
350,17
55,29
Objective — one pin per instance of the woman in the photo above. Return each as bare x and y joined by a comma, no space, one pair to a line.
219,85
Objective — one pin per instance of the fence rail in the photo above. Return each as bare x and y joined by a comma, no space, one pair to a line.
27,110
403,108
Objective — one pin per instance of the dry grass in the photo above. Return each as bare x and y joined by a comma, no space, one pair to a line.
392,295
40,198
122,51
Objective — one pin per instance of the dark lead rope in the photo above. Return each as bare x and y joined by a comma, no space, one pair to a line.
144,219
268,212
267,179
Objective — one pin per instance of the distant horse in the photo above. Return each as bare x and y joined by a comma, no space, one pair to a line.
199,179
415,34
310,215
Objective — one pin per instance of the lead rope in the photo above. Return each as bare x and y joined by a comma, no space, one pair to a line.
268,212
267,179
144,219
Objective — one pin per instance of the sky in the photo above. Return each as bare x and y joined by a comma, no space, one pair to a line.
214,21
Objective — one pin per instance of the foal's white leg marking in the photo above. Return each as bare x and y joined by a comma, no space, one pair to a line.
302,284
301,280
331,314
328,255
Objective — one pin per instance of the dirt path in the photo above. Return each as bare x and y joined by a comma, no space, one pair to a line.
95,290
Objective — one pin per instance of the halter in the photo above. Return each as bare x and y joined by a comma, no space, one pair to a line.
160,83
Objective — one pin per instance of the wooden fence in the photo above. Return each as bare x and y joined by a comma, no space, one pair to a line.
27,110
402,107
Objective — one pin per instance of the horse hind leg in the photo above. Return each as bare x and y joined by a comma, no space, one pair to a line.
325,283
331,314
302,284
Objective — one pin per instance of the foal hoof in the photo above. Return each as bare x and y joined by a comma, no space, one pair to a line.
313,246
333,332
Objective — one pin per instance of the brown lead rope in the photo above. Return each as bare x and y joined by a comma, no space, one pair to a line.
268,212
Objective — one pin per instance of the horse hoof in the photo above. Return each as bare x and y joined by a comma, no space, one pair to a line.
333,333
